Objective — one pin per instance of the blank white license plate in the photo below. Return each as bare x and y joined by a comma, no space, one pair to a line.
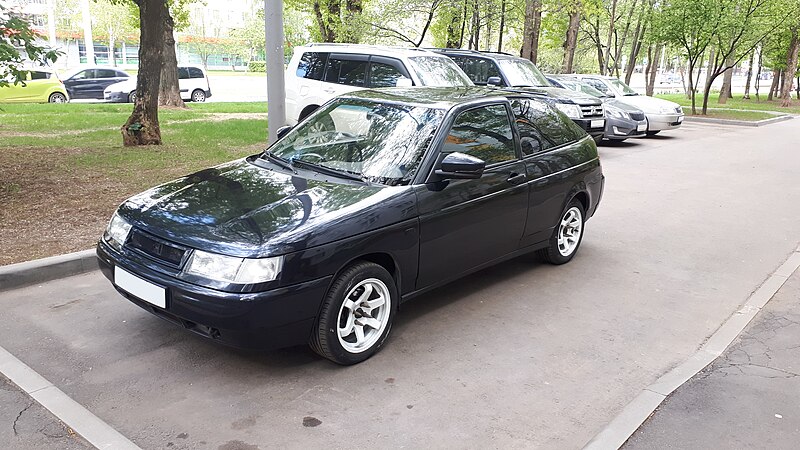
598,123
680,119
140,288
641,127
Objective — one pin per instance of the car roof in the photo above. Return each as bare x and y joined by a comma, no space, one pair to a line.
378,50
490,55
439,97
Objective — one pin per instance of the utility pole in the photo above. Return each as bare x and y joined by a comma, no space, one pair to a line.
88,40
276,92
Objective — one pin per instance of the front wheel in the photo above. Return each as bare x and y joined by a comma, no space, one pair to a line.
57,97
567,235
198,96
356,315
132,97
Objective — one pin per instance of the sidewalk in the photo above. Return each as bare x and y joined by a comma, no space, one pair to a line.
747,398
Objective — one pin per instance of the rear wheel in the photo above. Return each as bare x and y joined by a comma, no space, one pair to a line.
356,315
57,97
132,97
566,236
198,95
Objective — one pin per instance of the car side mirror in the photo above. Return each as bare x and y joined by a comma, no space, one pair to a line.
403,82
494,81
283,131
458,165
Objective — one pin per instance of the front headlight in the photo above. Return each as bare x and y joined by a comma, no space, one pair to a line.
117,231
618,113
233,270
669,110
571,110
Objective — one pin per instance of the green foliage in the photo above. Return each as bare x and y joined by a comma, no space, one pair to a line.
257,66
16,34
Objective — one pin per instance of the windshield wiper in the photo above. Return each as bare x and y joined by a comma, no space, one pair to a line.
278,161
327,170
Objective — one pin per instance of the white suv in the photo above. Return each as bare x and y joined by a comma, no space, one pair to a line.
192,82
320,72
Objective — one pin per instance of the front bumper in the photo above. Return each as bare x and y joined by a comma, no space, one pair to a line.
281,317
594,127
617,128
658,122
115,97
208,93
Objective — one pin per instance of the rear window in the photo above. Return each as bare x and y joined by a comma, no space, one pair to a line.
194,72
312,65
540,128
439,71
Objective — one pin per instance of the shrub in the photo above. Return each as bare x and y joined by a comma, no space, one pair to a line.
257,66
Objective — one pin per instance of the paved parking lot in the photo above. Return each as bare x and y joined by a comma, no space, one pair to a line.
521,355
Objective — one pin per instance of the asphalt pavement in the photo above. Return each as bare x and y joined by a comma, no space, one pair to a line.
748,398
522,355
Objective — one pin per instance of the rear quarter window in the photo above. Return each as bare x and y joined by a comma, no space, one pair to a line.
194,72
541,128
312,65
38,75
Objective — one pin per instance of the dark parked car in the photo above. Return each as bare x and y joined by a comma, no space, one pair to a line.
501,69
623,121
89,82
375,198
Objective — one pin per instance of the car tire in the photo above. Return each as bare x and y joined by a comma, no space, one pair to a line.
198,96
567,235
57,97
653,133
132,97
356,315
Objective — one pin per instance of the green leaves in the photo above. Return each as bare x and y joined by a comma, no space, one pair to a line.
16,34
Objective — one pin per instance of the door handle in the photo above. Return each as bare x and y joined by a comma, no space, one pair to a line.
515,178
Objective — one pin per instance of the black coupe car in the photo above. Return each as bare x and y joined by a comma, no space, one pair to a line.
375,198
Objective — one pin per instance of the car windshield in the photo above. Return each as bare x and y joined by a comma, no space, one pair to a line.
439,71
521,72
622,87
362,139
575,85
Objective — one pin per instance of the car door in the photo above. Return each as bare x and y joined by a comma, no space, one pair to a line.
80,84
184,82
103,78
14,93
465,224
548,142
344,73
385,72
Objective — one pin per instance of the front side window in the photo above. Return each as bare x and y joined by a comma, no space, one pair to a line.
346,71
599,85
84,75
540,127
478,70
438,71
383,75
105,73
381,142
484,133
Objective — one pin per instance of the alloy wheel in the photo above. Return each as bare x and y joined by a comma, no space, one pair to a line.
364,315
569,231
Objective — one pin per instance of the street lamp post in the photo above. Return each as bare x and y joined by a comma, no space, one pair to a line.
273,33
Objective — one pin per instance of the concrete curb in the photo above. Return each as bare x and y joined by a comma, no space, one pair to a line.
46,269
741,123
635,413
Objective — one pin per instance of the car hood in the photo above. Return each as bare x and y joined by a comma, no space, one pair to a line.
613,102
123,86
649,105
244,210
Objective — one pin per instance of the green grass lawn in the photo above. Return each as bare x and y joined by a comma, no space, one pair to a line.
735,103
752,116
63,168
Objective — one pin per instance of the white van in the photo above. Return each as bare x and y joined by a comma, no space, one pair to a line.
192,81
320,72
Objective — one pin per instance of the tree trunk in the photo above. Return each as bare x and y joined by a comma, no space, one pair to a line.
758,73
463,24
607,56
142,127
776,77
636,47
169,93
502,25
111,59
621,45
749,76
533,24
651,81
601,63
725,93
692,88
791,69
571,41
711,63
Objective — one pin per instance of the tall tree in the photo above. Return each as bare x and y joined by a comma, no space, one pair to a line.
749,76
531,30
571,40
791,67
169,93
142,127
